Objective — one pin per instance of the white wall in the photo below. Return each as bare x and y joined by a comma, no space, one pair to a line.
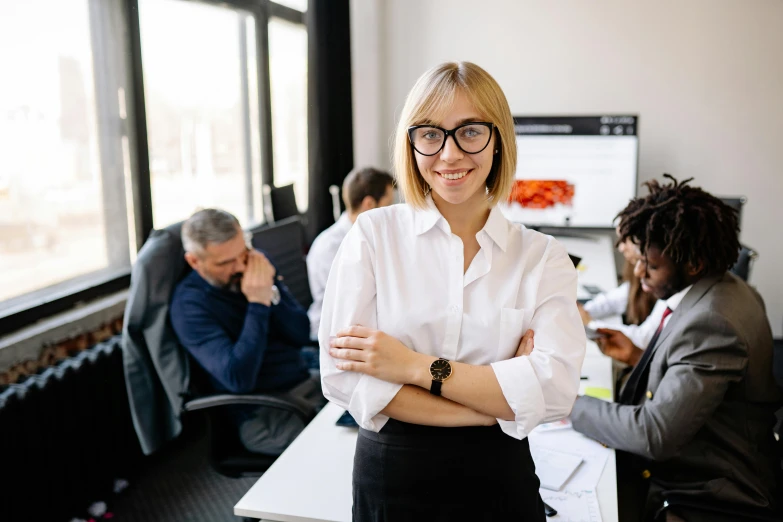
705,77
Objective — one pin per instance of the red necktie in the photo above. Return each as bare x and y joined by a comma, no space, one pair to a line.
666,313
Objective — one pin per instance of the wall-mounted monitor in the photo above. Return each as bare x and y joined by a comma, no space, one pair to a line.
573,171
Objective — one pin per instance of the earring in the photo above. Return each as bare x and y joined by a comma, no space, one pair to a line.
496,151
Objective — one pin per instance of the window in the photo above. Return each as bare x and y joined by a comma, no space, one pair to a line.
299,5
288,78
65,148
120,116
199,106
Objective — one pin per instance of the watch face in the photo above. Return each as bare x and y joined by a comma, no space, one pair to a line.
440,370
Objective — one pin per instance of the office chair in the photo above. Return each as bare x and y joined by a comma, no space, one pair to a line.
737,203
744,263
164,382
777,361
334,190
279,203
747,255
684,504
284,242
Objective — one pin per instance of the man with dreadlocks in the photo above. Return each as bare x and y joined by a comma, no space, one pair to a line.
696,414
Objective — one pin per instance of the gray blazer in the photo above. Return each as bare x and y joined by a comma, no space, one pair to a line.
703,423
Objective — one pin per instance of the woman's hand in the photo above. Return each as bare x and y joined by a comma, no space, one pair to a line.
526,344
584,314
372,352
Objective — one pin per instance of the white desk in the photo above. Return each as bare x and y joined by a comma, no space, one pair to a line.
311,480
597,267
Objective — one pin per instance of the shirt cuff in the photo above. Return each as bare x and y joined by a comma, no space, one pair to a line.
591,307
258,309
519,384
370,396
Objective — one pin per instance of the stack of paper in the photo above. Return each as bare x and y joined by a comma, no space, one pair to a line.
592,453
553,468
573,506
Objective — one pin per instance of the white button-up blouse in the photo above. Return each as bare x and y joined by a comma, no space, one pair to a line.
400,270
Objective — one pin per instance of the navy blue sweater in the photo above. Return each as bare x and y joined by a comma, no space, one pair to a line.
242,346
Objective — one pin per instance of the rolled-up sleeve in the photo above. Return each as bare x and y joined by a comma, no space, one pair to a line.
543,386
350,299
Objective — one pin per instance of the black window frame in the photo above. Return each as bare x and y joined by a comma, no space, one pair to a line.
45,304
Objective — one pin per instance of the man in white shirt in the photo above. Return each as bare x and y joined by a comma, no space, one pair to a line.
363,190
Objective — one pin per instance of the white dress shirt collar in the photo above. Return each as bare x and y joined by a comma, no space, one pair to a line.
343,223
674,301
496,227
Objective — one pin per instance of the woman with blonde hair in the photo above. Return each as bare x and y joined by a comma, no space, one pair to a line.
423,333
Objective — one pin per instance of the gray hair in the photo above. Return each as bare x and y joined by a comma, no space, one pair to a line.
206,226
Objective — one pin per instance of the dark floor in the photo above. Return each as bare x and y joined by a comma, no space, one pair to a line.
180,485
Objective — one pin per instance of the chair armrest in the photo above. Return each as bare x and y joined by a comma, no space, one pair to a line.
676,500
280,401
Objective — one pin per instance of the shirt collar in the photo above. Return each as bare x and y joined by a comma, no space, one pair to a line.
496,226
674,301
344,222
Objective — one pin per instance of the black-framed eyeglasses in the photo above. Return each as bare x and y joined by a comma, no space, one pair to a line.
471,138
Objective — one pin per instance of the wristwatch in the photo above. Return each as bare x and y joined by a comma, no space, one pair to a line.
275,295
440,369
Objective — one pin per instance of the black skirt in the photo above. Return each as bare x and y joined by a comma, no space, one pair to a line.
409,472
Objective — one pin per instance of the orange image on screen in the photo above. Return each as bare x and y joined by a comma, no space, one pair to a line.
536,193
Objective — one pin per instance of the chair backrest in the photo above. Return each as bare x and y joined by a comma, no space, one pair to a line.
777,362
282,201
156,366
284,241
736,202
744,263
334,190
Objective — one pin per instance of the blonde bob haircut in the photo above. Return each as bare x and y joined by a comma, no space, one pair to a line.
429,101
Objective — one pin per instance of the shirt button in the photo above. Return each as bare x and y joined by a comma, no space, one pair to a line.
649,394
454,309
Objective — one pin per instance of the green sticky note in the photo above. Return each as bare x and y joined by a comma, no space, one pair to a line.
598,393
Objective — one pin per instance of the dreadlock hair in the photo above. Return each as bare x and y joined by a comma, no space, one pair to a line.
688,224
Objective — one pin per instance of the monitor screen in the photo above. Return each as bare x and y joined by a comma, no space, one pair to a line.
573,171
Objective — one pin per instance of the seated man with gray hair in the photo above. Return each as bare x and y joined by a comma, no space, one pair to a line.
243,326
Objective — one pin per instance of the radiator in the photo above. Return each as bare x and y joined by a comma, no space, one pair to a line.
65,435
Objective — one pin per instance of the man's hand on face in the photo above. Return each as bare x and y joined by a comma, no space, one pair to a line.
616,345
258,278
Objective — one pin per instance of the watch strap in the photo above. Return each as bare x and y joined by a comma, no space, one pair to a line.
435,388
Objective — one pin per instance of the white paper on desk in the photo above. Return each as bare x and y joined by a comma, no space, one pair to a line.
593,454
553,468
573,506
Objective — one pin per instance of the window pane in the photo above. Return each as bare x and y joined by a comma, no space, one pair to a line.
196,68
63,213
299,5
288,74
